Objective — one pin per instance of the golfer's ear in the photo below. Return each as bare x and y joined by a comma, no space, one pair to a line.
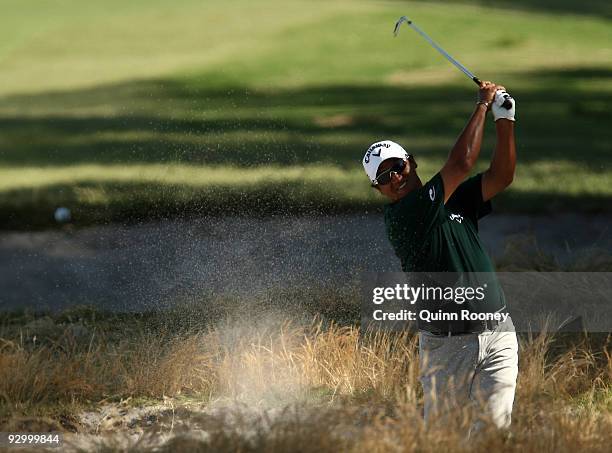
413,163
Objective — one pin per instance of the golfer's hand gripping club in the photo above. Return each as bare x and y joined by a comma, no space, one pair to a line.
507,104
499,109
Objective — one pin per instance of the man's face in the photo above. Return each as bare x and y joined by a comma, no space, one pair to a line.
399,185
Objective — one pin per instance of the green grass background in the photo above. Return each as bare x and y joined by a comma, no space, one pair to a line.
130,110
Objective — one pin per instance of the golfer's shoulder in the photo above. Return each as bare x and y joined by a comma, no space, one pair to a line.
469,191
473,183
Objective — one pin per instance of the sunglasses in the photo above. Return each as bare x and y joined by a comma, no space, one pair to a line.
385,177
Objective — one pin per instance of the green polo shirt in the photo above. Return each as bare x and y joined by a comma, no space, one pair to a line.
430,236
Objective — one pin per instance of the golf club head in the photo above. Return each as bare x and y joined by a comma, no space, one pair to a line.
398,23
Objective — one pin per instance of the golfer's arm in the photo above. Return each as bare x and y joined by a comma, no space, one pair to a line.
501,171
464,154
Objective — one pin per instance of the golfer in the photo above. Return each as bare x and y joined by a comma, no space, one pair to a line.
433,227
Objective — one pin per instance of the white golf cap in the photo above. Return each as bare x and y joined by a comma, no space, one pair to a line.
379,152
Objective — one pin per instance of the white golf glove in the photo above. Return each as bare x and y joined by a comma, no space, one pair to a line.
500,112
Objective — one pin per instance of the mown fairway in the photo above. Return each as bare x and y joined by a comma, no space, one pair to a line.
129,109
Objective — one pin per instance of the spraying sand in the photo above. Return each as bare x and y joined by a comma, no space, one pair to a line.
158,264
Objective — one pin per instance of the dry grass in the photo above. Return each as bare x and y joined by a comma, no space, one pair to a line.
337,389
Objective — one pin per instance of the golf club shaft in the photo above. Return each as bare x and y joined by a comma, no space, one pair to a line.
446,55
507,103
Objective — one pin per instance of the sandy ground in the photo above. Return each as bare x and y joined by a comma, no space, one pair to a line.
123,426
157,264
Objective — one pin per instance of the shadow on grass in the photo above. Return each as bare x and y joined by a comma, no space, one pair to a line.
133,203
179,121
593,7
168,121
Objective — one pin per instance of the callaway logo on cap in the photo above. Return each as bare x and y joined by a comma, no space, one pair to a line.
377,153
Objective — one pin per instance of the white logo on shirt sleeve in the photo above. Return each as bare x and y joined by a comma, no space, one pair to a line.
457,217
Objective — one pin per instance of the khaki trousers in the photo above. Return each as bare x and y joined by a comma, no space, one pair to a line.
479,369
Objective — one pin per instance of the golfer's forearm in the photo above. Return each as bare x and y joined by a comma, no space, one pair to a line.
467,149
503,162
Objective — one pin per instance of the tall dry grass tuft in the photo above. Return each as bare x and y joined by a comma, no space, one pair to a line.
257,364
335,386
375,364
277,363
565,371
160,365
35,375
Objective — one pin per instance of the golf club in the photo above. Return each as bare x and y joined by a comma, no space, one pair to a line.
507,103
